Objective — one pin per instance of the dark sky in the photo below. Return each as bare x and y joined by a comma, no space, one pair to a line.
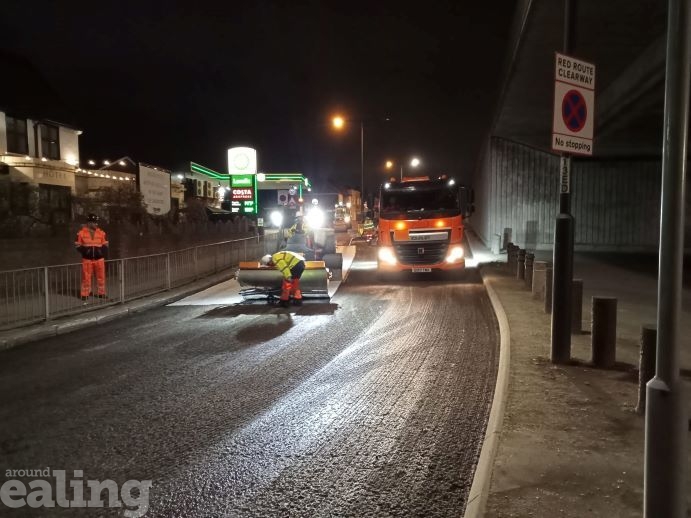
170,82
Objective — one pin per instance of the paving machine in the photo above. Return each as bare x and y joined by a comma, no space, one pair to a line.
264,282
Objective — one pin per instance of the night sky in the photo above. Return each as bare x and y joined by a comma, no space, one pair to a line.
171,82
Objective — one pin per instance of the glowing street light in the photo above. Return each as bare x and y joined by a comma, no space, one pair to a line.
338,123
413,163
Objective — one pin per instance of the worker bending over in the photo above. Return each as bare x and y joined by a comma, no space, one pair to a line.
291,265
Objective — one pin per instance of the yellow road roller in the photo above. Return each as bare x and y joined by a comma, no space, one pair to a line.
258,281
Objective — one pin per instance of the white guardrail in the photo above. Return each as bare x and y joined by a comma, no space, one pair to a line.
35,295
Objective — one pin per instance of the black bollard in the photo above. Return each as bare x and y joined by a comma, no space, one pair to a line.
529,261
576,306
646,364
512,252
604,331
520,264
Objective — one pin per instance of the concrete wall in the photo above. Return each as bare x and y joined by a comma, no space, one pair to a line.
56,246
615,203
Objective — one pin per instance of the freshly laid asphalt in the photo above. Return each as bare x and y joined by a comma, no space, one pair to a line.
563,440
372,404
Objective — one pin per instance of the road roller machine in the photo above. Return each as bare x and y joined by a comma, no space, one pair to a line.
323,249
258,281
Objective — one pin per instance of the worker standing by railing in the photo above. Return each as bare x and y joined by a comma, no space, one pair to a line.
92,243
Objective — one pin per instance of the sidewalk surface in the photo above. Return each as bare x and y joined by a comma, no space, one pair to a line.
571,443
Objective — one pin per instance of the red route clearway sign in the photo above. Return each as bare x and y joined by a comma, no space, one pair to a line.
574,105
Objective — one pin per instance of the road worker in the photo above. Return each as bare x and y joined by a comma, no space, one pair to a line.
291,265
92,243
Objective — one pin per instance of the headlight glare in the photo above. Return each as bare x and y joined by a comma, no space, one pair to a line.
455,254
386,255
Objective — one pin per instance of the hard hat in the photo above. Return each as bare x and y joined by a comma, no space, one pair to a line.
92,217
266,259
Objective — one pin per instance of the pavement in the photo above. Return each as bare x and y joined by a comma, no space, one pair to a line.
565,440
562,440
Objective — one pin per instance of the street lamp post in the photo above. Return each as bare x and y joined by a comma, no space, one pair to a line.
338,123
362,160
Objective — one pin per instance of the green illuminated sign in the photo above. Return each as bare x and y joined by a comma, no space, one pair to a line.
196,168
243,192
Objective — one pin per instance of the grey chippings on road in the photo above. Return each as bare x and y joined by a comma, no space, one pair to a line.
373,404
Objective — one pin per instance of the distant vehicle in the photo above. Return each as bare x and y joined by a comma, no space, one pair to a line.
420,226
341,219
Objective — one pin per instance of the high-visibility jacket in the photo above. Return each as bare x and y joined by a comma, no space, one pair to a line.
92,246
285,260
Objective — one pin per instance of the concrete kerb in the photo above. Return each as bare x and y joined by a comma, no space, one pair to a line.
479,491
16,337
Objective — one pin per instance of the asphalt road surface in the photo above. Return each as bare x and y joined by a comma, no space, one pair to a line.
372,404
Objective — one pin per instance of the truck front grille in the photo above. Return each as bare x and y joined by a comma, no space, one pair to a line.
423,252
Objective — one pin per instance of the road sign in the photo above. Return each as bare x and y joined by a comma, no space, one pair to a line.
574,106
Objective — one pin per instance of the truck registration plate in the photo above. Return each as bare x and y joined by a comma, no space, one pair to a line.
422,270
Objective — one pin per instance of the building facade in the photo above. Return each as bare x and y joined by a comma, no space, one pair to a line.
38,162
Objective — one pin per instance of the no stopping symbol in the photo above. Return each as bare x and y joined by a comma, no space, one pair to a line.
574,110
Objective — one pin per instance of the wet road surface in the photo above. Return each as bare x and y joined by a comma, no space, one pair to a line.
374,404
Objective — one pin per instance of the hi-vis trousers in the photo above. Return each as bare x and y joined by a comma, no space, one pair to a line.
89,267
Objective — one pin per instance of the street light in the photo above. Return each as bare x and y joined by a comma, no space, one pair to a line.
338,123
413,163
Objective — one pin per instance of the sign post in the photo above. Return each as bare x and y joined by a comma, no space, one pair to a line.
572,134
242,168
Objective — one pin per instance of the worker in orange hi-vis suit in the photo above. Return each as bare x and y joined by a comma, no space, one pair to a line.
92,243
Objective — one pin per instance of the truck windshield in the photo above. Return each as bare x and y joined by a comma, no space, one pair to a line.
435,201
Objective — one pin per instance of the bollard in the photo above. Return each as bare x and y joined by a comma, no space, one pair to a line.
604,331
646,364
512,251
520,264
538,287
529,261
576,306
548,289
496,244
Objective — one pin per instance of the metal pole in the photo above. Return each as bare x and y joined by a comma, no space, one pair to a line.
362,164
168,283
401,172
46,288
122,281
664,489
563,237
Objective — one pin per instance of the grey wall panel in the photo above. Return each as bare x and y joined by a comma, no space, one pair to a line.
615,203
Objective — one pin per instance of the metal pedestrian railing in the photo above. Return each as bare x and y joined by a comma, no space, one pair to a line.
35,295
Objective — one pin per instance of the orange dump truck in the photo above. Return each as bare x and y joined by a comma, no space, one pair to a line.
421,225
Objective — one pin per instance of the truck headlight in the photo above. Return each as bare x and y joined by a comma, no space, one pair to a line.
455,254
386,255
347,219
